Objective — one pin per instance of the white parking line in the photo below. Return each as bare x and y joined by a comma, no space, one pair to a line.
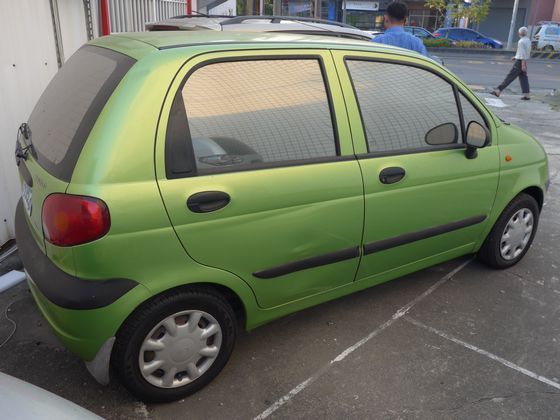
399,314
486,353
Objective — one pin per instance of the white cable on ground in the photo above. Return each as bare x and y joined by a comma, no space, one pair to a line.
11,321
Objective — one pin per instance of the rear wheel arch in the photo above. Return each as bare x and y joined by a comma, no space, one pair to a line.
228,294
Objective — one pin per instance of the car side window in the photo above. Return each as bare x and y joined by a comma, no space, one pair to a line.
551,30
470,113
250,113
402,105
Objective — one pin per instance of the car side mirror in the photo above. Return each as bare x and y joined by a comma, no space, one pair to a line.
442,134
477,137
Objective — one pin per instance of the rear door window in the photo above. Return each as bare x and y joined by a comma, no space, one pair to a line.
68,108
250,114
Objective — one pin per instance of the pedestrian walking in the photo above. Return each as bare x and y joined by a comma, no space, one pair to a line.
519,68
395,18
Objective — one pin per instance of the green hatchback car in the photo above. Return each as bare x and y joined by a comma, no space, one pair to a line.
178,186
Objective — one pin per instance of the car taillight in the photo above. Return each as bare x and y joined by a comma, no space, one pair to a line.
436,34
73,220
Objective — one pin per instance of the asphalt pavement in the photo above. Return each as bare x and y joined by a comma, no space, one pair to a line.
458,340
486,71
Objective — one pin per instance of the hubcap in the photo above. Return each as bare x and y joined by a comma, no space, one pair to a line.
516,234
180,349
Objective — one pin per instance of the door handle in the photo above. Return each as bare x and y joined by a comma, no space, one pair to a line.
207,201
391,175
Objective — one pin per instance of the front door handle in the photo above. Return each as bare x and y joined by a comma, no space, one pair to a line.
207,201
391,175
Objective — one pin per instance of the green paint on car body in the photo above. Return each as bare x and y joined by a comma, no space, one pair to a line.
277,215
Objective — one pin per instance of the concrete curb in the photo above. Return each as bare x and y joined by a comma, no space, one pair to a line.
493,52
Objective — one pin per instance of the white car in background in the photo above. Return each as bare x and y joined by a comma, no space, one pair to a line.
547,37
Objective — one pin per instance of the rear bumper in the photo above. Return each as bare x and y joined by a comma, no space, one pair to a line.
61,288
83,313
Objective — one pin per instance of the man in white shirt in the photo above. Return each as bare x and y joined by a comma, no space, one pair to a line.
519,68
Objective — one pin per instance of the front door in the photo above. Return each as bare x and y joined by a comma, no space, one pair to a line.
258,173
423,198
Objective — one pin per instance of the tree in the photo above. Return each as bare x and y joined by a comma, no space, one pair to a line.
440,6
476,12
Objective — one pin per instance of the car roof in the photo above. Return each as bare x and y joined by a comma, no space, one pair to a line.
173,39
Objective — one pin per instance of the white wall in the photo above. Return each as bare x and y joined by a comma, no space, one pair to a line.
228,8
27,63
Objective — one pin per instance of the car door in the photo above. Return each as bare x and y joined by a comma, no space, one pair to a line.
423,202
257,171
472,36
552,36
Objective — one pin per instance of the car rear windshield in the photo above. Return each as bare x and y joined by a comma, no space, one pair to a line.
68,108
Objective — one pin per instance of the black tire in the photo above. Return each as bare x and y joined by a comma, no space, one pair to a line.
489,253
124,359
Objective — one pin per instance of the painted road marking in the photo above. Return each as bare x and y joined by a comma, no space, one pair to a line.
495,102
486,353
397,315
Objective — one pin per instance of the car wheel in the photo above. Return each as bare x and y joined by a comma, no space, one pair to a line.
174,345
549,48
513,233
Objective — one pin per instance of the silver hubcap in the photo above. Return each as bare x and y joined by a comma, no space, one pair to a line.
180,349
516,234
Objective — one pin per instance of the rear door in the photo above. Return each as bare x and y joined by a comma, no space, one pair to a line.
423,201
256,168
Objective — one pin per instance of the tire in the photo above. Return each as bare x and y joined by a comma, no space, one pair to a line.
144,327
492,251
549,48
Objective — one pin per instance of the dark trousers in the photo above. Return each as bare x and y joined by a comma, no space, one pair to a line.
513,74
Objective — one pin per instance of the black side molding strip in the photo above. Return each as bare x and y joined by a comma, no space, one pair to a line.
61,288
330,258
420,234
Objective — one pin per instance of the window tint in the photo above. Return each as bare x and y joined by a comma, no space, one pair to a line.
68,108
256,112
470,113
401,104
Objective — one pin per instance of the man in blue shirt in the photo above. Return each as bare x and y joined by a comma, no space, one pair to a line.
395,17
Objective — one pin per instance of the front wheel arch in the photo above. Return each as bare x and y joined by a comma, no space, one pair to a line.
537,193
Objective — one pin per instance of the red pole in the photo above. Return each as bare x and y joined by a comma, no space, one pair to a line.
189,7
105,22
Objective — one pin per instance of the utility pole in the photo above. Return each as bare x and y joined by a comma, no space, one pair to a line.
512,25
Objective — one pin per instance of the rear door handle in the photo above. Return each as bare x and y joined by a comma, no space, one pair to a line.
207,201
391,175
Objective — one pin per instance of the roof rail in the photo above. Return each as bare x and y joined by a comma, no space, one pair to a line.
279,19
199,15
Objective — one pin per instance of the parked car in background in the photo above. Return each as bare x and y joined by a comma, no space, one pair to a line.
291,24
419,32
463,34
204,182
547,37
